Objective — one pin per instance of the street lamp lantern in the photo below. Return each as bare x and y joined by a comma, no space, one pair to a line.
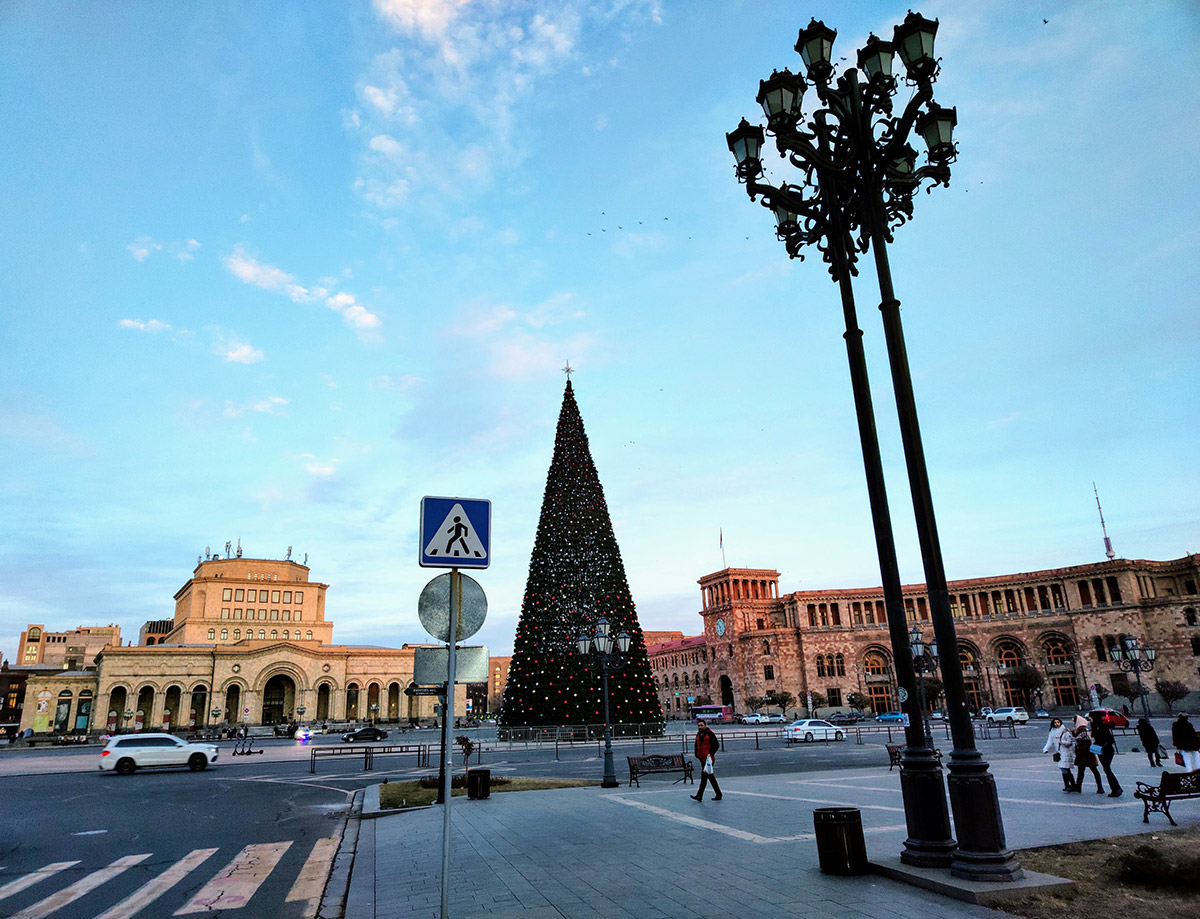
1133,658
780,96
745,142
936,125
875,58
914,40
916,643
815,46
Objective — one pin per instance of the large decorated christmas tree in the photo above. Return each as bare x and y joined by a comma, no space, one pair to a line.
575,577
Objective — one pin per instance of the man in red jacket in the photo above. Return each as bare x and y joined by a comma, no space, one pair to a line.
706,751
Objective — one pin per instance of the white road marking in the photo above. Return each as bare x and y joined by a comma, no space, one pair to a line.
152,890
733,831
874,807
89,833
311,882
83,886
14,887
237,882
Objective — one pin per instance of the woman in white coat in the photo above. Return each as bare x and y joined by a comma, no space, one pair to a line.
1061,742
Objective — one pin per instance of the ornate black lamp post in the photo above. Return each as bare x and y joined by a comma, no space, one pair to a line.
602,643
1132,657
856,178
925,660
128,715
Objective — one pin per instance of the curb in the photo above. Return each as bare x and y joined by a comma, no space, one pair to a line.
337,888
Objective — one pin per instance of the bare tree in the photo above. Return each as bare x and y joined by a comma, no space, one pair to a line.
1171,692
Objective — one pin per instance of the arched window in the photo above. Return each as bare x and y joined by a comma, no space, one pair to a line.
966,657
1189,616
1099,645
1057,652
875,663
840,661
224,634
35,634
212,636
820,665
275,634
1008,654
285,635
308,635
766,648
262,633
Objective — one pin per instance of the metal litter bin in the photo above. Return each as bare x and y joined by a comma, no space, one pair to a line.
840,844
479,783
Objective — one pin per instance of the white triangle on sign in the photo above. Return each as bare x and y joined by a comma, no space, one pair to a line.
456,538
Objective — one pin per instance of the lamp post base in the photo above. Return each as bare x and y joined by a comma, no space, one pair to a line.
983,854
929,843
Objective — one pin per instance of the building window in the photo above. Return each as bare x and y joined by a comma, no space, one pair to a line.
875,664
820,665
759,624
833,695
299,597
262,634
287,596
1195,646
1189,616
212,636
1099,646
252,595
227,594
768,672
308,635
275,634
224,634
225,613
841,665
766,648
262,613
239,595
274,596
285,634
237,614
237,634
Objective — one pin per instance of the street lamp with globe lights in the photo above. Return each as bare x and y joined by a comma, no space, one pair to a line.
1138,659
925,660
856,176
128,715
601,642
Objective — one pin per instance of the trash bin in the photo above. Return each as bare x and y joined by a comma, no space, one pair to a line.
841,848
479,783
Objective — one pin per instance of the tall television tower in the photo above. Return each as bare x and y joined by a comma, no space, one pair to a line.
1108,549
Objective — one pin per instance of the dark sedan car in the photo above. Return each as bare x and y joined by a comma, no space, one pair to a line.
367,733
845,718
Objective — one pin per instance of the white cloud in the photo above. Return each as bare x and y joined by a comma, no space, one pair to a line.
320,468
152,325
268,277
236,352
142,247
186,254
429,17
272,405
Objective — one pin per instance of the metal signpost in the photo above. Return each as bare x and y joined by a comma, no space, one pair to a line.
455,533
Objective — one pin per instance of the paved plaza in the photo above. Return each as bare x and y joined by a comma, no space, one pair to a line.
653,853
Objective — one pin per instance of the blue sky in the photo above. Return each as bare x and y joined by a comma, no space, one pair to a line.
274,272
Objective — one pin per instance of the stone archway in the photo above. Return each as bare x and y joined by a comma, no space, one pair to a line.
726,690
279,699
323,692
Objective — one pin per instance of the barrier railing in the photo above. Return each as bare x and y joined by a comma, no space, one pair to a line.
369,752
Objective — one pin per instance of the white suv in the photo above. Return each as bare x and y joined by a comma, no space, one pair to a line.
130,752
754,718
1008,716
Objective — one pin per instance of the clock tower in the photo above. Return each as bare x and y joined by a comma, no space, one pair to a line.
737,603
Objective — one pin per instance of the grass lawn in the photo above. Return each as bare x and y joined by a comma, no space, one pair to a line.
1154,875
415,794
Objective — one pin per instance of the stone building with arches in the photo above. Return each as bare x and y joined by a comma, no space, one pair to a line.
249,644
1061,621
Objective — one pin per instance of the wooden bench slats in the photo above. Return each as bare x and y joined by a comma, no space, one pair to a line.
896,752
659,762
1173,786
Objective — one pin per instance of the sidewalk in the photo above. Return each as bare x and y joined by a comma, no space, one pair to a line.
653,853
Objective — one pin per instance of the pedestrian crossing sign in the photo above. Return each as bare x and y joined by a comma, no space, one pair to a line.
455,532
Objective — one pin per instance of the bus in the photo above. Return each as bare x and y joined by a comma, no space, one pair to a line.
713,714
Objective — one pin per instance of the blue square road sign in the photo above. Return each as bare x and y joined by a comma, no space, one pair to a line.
456,532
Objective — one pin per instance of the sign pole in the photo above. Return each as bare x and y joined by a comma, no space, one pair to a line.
447,711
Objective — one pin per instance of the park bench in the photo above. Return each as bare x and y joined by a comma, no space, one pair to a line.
1173,786
896,751
659,762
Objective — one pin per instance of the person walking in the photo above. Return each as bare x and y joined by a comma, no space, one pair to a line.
1084,757
706,751
1061,742
1149,738
1186,741
1102,736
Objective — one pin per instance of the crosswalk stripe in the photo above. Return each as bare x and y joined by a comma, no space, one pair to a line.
236,883
311,882
14,887
79,888
152,890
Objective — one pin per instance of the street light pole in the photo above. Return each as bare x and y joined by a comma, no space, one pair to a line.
916,642
858,177
602,643
1136,658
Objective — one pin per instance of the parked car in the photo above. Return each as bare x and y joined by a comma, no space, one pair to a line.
130,752
1111,718
776,718
937,716
754,718
1009,714
845,718
812,729
368,733
1041,713
890,718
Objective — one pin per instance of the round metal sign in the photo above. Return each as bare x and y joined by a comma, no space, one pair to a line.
903,694
433,608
